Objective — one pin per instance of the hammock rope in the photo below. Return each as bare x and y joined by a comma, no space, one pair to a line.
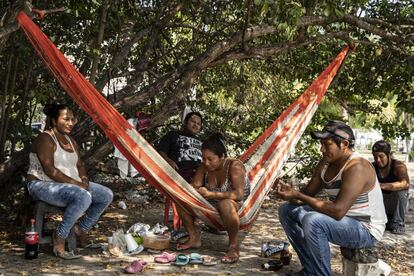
264,159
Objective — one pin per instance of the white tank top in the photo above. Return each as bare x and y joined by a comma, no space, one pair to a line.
64,161
368,207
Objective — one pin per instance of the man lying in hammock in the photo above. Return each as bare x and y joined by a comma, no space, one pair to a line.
353,217
223,182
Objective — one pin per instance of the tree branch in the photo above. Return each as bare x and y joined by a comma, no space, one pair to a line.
265,52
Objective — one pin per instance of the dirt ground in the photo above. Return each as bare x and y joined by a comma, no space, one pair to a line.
397,251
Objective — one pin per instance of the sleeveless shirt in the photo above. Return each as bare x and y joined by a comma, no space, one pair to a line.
227,186
391,177
368,207
64,161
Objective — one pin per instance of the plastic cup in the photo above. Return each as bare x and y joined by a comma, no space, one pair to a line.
131,243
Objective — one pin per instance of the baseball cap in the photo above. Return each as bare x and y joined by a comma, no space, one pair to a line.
335,128
381,146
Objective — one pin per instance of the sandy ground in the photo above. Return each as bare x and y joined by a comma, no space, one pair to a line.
398,251
94,262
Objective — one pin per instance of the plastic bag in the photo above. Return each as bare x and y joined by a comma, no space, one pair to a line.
159,229
118,240
139,228
117,243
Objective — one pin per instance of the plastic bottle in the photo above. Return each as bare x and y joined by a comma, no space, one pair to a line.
31,240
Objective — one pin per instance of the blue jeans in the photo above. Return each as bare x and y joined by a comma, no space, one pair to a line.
77,202
310,232
396,207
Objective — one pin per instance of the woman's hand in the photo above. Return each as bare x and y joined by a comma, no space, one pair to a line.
205,192
84,184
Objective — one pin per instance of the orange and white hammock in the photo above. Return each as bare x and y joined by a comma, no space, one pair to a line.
263,160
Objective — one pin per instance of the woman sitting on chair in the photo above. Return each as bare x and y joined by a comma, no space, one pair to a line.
57,176
223,182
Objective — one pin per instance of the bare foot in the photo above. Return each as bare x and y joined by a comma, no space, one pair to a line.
190,243
58,245
232,255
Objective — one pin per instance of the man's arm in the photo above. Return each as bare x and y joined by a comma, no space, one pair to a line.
355,179
164,148
312,188
169,160
403,182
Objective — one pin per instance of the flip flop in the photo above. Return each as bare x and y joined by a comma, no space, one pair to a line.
66,255
229,259
165,258
135,267
195,258
209,261
93,245
63,254
177,235
182,260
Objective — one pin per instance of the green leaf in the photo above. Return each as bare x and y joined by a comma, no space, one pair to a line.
265,9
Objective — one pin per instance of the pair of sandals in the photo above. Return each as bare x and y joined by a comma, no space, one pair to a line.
194,258
227,259
165,258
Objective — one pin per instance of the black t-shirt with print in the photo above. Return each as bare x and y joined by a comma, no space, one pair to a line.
183,148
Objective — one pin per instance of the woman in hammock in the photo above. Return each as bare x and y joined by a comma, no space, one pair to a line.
57,176
223,182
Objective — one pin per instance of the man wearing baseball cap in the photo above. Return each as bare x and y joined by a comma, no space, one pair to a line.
394,182
353,216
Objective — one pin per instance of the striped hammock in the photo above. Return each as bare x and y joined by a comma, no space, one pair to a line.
263,160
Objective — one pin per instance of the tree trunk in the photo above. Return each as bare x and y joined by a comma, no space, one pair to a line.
408,144
98,42
5,109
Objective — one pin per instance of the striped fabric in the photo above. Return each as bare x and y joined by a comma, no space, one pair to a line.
264,159
360,208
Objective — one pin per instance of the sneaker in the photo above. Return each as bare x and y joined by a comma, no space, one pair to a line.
398,230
